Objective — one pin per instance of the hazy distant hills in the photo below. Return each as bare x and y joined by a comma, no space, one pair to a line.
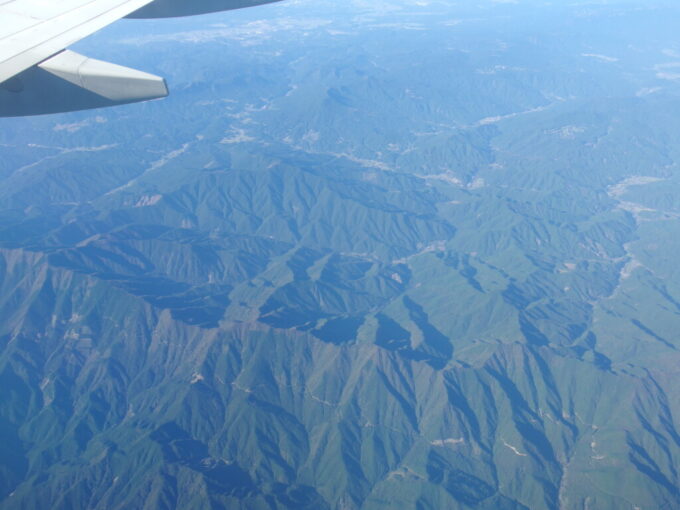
371,256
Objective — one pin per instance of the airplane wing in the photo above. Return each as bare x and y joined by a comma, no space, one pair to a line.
38,75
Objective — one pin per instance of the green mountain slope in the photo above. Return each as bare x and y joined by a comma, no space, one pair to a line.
336,272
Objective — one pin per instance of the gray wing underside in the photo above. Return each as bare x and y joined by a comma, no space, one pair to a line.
38,75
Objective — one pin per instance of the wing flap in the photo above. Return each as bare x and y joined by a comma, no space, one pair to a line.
111,81
69,81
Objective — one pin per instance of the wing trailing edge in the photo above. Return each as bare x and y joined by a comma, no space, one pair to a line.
177,8
69,81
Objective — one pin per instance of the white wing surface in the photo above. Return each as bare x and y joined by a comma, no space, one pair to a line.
33,30
38,76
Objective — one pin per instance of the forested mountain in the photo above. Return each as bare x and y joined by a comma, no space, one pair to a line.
368,255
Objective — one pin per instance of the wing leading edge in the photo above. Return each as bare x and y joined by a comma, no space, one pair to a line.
38,76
